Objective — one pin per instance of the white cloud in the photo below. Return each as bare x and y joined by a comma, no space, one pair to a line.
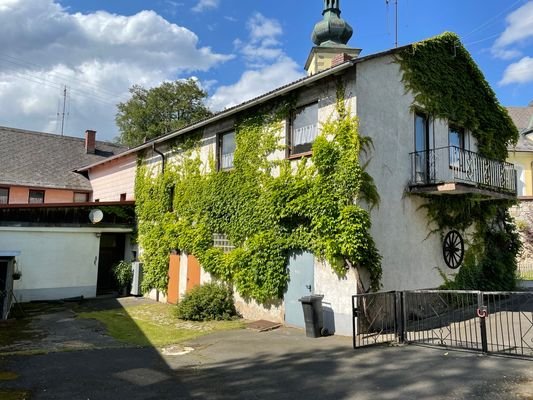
263,45
268,67
204,5
519,72
519,29
98,55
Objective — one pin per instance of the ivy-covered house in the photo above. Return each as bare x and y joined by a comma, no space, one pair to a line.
379,172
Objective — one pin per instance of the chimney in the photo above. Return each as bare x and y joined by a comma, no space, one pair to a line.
340,59
90,141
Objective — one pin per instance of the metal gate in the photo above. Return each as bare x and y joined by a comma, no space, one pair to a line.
376,318
491,322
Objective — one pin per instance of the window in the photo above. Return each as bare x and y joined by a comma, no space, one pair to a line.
421,148
4,195
226,151
36,197
122,196
221,241
303,129
80,197
456,141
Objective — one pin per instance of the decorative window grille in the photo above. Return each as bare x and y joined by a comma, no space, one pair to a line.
221,241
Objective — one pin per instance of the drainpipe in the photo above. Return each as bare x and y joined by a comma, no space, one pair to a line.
162,157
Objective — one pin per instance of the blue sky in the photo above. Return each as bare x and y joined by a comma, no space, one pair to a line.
236,49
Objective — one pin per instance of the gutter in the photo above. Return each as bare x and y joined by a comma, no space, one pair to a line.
162,157
225,114
306,81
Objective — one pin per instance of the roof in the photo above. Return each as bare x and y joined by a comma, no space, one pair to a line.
38,159
523,119
305,81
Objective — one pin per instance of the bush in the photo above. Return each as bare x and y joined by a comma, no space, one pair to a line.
211,301
123,273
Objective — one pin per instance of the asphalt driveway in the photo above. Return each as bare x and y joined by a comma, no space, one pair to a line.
281,364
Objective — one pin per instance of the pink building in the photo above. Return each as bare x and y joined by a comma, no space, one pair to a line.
37,167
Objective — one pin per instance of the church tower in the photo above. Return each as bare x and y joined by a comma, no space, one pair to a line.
330,36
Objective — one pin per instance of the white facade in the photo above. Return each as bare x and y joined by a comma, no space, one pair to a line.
412,255
55,263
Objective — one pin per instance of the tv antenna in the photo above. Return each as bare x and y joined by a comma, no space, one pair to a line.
396,20
64,112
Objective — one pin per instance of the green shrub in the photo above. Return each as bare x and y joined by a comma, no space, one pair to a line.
123,273
211,301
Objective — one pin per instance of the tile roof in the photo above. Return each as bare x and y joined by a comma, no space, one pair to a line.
523,119
40,159
306,80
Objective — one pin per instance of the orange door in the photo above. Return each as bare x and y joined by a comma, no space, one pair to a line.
173,279
193,272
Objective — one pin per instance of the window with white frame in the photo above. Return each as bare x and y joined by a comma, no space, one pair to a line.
226,152
221,241
456,141
303,129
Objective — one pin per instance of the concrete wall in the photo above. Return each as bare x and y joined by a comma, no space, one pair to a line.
411,255
55,262
111,179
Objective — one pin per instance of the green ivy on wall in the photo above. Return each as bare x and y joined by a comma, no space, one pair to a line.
447,84
268,208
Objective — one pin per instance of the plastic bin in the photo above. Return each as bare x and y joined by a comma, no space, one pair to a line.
313,315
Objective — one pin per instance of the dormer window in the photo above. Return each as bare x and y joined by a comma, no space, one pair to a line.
226,150
303,130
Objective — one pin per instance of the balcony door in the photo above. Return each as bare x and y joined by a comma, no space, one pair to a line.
422,156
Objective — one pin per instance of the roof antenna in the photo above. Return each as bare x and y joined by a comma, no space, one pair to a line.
64,109
396,20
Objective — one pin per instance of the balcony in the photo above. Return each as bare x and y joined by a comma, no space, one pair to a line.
452,170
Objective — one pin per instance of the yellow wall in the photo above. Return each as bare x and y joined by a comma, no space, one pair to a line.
523,160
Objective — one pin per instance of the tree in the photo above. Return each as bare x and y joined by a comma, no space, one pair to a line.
150,113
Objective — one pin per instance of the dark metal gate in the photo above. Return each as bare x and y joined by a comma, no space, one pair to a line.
492,322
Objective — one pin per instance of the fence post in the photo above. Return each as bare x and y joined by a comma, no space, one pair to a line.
354,316
482,314
398,316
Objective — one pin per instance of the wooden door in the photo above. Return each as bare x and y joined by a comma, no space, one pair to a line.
193,272
173,291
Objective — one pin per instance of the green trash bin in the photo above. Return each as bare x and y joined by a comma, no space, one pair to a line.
313,315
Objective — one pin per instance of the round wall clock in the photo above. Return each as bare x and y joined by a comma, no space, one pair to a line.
453,249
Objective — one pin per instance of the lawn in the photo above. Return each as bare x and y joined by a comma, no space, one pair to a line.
154,325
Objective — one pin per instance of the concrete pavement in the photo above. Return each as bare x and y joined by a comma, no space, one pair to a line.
281,364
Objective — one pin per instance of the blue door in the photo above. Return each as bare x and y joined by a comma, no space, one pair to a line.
301,278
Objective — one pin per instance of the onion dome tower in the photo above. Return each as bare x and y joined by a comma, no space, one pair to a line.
330,36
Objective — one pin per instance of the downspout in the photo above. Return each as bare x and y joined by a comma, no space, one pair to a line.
162,157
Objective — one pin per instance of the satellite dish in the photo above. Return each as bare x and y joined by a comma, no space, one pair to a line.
96,215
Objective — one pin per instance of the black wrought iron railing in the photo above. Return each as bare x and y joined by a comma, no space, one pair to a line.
453,164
